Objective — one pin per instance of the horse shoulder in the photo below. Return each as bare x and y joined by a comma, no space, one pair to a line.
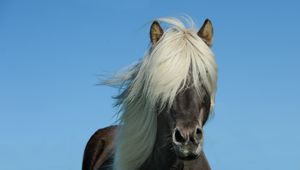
99,148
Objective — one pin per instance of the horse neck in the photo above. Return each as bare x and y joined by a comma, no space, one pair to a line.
162,157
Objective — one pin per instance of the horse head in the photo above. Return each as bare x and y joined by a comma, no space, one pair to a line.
166,97
183,121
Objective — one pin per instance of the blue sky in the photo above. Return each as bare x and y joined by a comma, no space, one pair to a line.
51,53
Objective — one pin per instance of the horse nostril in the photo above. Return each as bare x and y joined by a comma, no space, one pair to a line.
197,136
199,132
178,137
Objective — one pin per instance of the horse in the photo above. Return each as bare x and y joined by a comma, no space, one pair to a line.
165,100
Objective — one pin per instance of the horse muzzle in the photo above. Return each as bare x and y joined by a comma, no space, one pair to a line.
187,144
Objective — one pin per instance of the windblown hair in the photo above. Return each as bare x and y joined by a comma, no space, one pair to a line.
179,58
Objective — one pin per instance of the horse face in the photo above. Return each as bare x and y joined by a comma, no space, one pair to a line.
189,111
186,119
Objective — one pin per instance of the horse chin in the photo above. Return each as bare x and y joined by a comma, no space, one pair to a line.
189,157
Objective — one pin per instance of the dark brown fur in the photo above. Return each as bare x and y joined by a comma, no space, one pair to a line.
99,149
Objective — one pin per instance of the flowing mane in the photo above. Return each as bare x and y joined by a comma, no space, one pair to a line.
179,58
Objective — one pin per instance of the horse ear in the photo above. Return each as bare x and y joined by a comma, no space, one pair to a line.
206,32
156,32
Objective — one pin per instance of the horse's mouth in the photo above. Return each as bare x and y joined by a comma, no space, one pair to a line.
189,157
187,154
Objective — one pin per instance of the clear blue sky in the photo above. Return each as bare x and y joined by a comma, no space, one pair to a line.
52,51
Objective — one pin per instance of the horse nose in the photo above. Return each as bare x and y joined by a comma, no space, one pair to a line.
183,136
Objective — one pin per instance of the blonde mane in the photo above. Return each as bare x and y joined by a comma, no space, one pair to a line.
153,83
